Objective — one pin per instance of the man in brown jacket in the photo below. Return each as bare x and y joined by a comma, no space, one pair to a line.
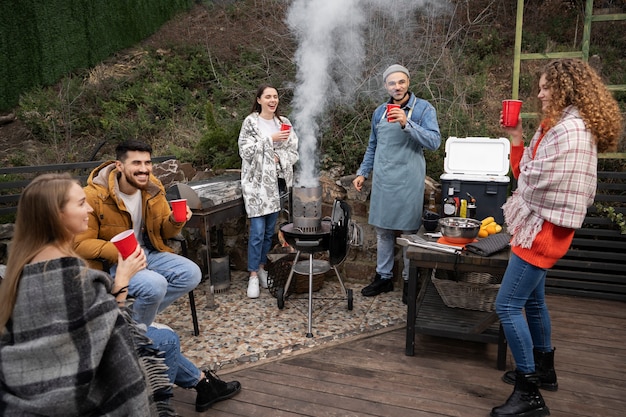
125,195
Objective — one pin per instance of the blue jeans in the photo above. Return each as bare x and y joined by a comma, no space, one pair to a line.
260,240
181,371
523,289
167,277
385,251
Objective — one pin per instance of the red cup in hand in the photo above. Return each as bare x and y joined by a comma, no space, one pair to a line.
179,209
125,242
285,126
510,112
389,107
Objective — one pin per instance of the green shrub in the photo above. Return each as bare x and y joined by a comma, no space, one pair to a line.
218,148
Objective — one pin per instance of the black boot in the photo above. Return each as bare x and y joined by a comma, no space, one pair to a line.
211,389
525,401
544,367
378,285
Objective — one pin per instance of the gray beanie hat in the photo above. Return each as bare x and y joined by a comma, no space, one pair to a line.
395,68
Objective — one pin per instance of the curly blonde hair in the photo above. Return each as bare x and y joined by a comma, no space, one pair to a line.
574,83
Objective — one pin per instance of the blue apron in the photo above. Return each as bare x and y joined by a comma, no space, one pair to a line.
398,179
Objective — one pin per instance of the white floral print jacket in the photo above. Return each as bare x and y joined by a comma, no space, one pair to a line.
259,172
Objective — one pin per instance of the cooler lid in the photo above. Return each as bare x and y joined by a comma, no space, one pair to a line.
477,156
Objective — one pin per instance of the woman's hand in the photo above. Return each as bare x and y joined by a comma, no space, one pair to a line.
280,136
516,133
127,268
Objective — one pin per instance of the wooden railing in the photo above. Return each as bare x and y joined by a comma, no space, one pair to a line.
595,265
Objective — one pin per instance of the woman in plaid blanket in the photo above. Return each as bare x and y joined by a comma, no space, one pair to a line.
66,348
68,345
556,182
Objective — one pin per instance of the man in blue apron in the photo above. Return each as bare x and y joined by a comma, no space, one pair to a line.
395,153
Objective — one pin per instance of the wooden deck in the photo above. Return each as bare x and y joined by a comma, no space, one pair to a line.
446,377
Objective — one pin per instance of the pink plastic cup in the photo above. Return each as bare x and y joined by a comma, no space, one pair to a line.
125,242
179,209
285,126
389,107
510,112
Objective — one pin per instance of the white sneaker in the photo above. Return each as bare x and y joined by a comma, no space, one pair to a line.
253,287
262,274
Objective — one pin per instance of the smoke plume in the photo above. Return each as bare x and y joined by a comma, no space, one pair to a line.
329,60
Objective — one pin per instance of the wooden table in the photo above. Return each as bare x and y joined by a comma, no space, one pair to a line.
426,312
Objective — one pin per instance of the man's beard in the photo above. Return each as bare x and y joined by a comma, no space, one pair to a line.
132,181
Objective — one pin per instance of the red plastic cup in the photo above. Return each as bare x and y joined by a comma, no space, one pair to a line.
285,126
179,209
125,242
510,112
389,107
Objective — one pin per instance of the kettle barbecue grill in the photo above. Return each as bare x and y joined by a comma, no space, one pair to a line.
325,235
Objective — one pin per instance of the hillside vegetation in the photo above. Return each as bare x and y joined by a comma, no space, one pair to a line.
187,88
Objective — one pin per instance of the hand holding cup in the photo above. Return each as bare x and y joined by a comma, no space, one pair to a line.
125,242
132,264
128,267
511,112
392,113
511,121
179,210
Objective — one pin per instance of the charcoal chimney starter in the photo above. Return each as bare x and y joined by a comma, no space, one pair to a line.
307,209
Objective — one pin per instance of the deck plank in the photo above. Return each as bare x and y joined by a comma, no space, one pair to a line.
446,377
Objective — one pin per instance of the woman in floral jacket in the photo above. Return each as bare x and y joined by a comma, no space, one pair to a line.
269,149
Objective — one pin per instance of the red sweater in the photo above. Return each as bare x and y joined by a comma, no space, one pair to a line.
552,242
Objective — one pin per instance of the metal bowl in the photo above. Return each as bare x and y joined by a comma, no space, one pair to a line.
459,229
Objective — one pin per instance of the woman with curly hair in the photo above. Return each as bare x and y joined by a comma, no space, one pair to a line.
556,182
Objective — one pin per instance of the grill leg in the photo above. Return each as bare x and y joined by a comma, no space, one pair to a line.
343,287
310,333
293,267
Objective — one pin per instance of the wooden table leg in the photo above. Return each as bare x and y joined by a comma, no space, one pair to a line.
411,311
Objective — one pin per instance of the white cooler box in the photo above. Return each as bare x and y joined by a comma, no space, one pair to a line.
478,166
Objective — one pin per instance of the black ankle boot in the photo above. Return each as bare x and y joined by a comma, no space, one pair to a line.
525,401
211,389
544,367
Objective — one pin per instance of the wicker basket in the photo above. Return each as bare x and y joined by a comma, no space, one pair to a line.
469,290
278,269
302,283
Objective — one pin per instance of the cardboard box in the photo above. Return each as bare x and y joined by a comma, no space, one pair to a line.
478,166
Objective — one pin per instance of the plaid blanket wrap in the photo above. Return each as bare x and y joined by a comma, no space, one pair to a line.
68,349
558,184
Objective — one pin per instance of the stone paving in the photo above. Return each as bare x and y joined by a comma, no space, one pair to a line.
241,331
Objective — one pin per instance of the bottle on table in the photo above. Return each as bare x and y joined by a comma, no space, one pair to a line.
449,204
471,206
463,208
